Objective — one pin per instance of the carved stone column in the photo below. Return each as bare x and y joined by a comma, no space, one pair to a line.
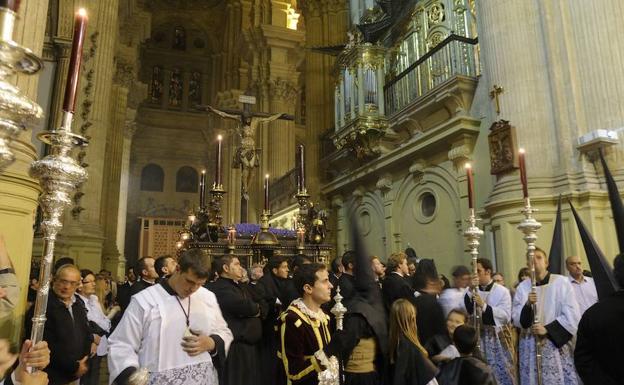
326,25
388,195
117,153
281,145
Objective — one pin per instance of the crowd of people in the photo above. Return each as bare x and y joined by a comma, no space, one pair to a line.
196,320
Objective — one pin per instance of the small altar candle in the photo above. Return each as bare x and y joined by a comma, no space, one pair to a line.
231,235
470,180
13,5
301,168
523,177
202,189
266,192
71,87
218,170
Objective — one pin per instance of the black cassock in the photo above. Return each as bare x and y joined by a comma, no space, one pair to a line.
411,367
600,342
242,312
465,371
271,289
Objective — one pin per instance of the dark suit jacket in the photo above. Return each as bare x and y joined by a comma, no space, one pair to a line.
600,342
68,335
138,286
396,287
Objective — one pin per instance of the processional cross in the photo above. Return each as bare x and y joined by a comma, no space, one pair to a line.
496,90
247,155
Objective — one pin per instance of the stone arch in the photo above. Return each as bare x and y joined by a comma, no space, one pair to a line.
370,214
431,235
187,179
152,178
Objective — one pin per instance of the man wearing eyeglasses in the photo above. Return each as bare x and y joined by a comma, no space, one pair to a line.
66,329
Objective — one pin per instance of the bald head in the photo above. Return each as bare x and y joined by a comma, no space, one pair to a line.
574,267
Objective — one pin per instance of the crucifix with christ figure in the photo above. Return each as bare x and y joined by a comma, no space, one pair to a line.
247,155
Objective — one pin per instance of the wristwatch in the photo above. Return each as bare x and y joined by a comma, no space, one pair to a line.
8,270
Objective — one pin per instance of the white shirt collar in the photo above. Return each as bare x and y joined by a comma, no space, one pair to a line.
575,281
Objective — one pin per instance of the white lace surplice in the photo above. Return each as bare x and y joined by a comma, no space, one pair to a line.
150,336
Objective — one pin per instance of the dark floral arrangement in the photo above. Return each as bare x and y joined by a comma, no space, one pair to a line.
250,229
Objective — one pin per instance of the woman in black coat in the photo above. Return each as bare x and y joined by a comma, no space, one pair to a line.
409,360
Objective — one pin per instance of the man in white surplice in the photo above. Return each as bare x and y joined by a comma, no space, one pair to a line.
558,315
173,329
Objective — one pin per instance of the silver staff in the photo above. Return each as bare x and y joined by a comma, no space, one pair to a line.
338,310
58,174
17,111
331,375
472,235
529,227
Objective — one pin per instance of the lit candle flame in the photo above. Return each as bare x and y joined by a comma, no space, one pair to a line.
82,12
219,137
468,165
521,150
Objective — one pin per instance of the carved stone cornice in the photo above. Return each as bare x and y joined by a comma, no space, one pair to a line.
124,73
461,151
130,128
417,169
283,89
181,4
384,184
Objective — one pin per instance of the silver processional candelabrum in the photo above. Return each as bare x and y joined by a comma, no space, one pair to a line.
17,111
529,227
472,235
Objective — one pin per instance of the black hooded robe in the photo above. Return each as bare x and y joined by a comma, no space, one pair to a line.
600,342
466,371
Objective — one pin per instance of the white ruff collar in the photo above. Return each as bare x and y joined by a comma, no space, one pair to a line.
315,315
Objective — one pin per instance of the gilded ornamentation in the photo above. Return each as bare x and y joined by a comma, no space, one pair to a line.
436,13
502,143
435,39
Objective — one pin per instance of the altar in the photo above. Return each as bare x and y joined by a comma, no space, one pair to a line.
256,243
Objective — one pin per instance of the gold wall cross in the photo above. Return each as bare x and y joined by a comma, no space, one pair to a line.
496,90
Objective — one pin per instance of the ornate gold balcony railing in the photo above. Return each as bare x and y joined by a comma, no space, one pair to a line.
455,55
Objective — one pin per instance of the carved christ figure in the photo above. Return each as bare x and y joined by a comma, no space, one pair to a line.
246,156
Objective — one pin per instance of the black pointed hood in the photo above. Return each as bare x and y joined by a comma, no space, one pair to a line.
367,300
556,246
600,268
617,208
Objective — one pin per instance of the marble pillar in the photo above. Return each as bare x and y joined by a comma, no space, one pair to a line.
559,84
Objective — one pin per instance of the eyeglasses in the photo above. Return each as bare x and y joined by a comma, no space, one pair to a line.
64,282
